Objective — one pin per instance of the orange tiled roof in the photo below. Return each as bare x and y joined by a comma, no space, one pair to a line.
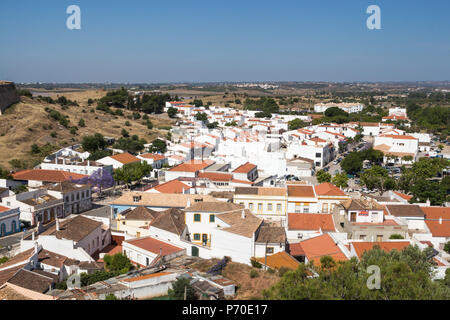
192,166
311,221
172,186
328,189
153,156
402,195
125,158
47,175
280,259
215,176
301,191
317,247
154,245
438,229
245,168
3,209
394,136
361,247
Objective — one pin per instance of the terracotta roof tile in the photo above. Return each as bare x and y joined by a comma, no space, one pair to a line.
192,166
245,168
361,247
328,189
317,247
311,221
280,259
125,158
172,186
47,175
153,245
301,191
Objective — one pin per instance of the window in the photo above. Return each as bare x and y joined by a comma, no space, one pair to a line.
212,218
197,236
269,250
73,197
297,208
269,207
318,155
318,163
278,207
259,206
136,198
78,196
147,261
250,206
197,217
362,237
241,203
299,235
379,237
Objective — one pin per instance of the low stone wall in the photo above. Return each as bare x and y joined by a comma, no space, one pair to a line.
8,95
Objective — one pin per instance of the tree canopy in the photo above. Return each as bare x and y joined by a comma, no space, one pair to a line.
404,275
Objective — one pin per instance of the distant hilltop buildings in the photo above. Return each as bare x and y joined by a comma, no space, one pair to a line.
264,86
347,107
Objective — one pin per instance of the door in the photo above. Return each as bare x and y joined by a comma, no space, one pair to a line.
204,239
353,216
2,230
194,251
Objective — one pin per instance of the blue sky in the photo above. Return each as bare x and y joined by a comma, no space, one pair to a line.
246,40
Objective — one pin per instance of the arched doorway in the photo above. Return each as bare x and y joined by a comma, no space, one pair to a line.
3,230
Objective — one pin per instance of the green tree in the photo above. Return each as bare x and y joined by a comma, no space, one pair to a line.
132,172
340,180
296,124
35,149
447,247
4,174
111,296
81,123
405,275
118,263
158,145
352,163
197,103
396,236
323,176
378,178
93,143
172,112
182,288
201,116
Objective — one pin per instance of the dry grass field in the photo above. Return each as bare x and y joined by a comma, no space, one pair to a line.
27,123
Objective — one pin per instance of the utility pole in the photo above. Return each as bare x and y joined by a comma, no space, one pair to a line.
185,292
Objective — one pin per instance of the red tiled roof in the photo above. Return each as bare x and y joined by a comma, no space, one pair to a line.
154,245
280,259
215,176
172,186
125,158
438,229
192,166
147,276
245,168
301,191
311,221
402,195
296,249
328,189
47,175
317,247
4,209
153,156
387,246
394,136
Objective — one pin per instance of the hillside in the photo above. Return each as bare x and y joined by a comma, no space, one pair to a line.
27,123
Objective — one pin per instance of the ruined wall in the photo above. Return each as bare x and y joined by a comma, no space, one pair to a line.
8,95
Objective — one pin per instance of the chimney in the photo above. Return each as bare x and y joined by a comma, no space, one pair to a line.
32,236
57,224
243,214
89,163
188,204
160,251
428,202
36,247
440,220
64,161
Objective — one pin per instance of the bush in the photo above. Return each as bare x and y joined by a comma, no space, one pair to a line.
282,271
447,247
253,273
127,123
53,134
255,264
396,236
